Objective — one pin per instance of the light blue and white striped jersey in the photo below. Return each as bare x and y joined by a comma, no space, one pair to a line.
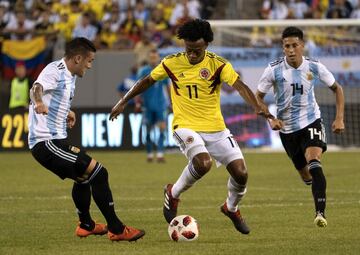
58,90
294,91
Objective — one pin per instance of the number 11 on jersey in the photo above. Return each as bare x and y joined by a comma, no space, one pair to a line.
194,89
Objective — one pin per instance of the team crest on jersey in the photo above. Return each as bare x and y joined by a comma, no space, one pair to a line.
204,73
309,76
189,140
74,149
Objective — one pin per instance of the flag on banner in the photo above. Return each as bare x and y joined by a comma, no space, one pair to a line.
31,52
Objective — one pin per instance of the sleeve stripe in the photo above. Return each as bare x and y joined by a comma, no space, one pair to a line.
172,77
216,79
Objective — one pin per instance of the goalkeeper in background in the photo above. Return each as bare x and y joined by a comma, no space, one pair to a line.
155,103
302,133
198,125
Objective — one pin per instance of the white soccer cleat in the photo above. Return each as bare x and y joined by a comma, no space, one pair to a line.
320,220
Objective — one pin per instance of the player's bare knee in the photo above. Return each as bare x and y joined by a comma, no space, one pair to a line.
313,153
243,172
241,175
202,166
304,173
313,157
89,170
202,163
238,171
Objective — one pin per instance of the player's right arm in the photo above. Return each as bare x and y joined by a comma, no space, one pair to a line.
139,87
46,81
249,97
274,123
36,93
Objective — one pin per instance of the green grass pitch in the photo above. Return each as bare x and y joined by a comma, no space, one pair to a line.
37,215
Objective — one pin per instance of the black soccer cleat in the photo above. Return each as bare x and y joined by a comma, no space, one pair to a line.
236,219
170,204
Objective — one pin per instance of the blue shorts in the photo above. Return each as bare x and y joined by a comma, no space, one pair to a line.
153,117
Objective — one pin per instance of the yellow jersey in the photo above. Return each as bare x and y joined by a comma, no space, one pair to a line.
195,90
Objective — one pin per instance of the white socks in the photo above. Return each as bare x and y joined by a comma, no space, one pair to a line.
188,177
235,194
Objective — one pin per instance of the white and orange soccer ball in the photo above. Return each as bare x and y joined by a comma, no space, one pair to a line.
183,228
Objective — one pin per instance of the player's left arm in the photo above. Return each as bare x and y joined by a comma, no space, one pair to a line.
338,125
168,91
71,119
249,97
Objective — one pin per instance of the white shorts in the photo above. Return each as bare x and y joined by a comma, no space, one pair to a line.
220,145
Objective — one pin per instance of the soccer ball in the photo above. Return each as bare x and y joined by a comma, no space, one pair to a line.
183,228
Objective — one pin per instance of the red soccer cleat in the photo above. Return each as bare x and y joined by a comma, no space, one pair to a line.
99,229
170,204
129,234
236,218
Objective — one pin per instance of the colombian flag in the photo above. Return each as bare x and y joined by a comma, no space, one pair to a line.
31,52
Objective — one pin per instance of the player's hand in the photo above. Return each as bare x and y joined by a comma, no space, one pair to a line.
338,126
71,119
117,109
40,108
275,124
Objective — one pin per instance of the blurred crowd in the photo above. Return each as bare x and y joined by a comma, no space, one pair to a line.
144,25
117,24
310,9
139,24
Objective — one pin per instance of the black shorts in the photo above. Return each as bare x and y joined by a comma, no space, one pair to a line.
64,160
296,143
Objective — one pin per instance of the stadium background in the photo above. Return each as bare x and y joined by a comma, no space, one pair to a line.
36,211
249,45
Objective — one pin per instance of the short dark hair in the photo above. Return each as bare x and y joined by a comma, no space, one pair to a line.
79,46
196,29
293,32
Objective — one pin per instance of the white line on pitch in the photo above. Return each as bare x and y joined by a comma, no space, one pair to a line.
335,203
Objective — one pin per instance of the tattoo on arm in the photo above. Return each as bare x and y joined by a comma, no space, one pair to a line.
37,92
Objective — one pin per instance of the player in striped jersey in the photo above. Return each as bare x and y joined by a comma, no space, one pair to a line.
302,133
198,125
49,116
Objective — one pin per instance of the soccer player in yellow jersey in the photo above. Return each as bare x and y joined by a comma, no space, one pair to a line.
198,125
